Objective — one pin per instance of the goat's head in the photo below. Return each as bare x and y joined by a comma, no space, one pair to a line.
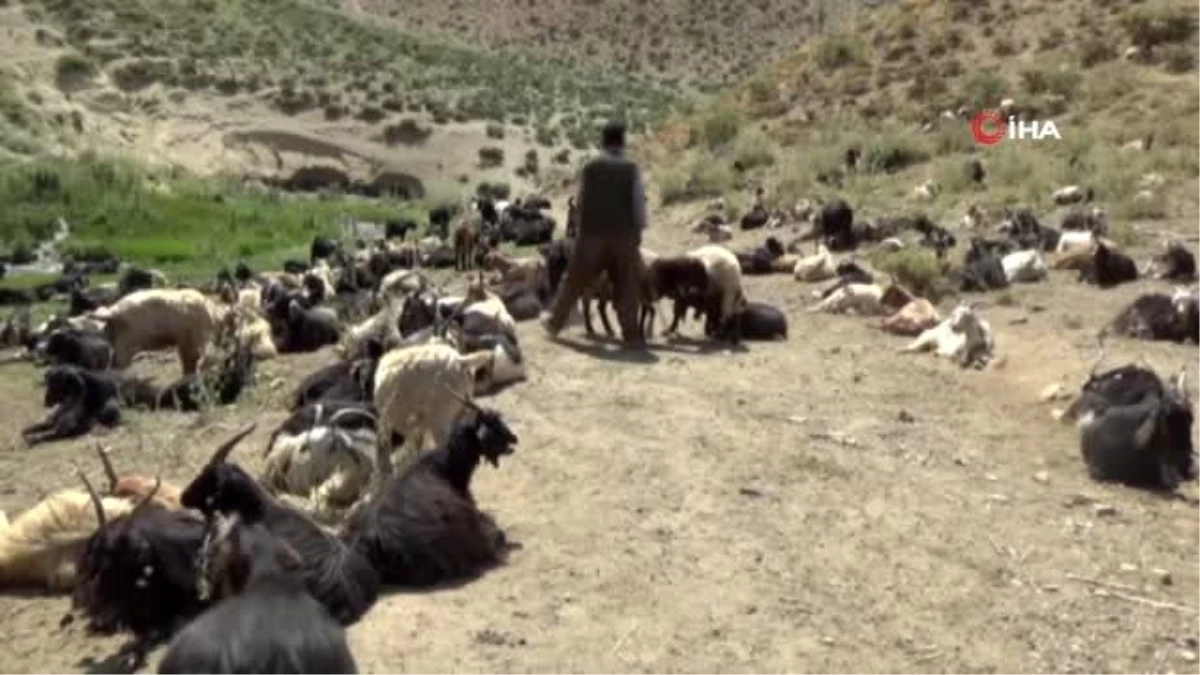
488,431
63,383
225,487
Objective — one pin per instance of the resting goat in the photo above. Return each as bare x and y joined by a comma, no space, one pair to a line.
421,527
1175,263
335,575
138,573
84,398
963,337
341,381
324,452
1143,443
1157,316
263,619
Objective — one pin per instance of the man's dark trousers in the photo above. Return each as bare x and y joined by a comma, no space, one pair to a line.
620,258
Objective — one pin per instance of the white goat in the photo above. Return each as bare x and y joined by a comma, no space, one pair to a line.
725,273
416,393
816,267
330,463
963,337
1025,266
927,191
1071,194
402,282
1071,240
158,319
861,299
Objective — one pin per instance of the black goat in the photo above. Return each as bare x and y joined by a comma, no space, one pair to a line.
264,621
1091,220
1147,443
934,236
1175,263
139,573
1024,229
758,260
439,221
983,270
527,229
341,381
835,225
16,330
683,279
423,528
1157,316
760,321
1109,268
295,266
84,398
84,300
190,393
135,279
398,228
78,347
17,296
755,218
322,248
336,575
308,330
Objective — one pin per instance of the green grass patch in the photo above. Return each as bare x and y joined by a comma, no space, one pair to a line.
916,268
189,227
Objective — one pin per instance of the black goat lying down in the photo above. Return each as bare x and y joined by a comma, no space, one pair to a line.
1147,443
83,348
139,573
336,575
84,398
191,392
341,381
422,528
263,619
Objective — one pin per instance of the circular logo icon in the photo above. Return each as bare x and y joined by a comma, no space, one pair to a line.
989,127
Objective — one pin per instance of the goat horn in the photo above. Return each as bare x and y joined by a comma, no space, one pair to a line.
106,462
1103,351
146,500
99,506
227,447
462,399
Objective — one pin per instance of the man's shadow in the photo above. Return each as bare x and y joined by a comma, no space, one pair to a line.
611,349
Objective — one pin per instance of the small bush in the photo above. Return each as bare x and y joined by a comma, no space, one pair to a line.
495,130
531,164
753,149
562,156
1179,58
839,51
1159,23
700,178
984,90
917,269
73,70
1064,83
407,131
890,154
1094,50
719,128
497,190
490,157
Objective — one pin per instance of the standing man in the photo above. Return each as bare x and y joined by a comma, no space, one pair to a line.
612,214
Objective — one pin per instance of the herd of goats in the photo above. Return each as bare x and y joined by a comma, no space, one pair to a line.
368,482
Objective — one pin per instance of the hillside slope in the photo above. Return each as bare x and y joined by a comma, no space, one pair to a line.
900,84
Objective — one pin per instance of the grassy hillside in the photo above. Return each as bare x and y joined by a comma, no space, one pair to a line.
685,43
300,56
883,83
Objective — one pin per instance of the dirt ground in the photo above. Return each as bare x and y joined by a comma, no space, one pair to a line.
821,504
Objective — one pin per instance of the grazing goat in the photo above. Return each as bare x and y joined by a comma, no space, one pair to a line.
138,572
422,527
963,337
725,283
84,398
158,319
834,224
412,392
263,620
1142,443
337,576
323,452
1175,263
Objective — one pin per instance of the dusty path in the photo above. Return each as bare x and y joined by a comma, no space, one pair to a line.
699,512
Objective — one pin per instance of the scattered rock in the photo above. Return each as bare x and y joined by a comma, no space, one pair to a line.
1187,655
906,416
275,383
998,498
1128,567
749,492
1054,392
1020,320
1042,477
1104,510
828,641
1164,577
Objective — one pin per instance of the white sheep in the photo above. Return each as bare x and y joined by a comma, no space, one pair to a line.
158,319
725,273
417,392
963,337
328,464
1025,266
816,267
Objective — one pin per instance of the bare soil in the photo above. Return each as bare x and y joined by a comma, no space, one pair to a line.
822,504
